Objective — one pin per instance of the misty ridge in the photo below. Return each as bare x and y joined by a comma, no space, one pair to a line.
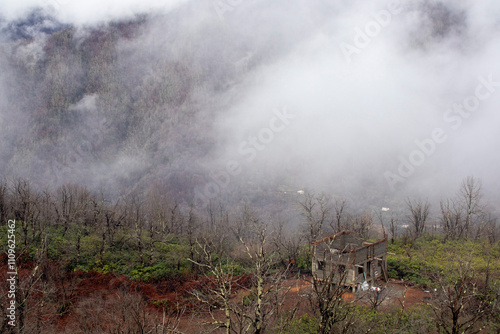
255,102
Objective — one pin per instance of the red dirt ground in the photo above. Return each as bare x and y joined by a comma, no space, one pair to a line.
396,294
82,288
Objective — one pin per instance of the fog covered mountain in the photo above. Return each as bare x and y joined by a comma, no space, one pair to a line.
252,101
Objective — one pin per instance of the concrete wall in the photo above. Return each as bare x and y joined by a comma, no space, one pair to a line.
371,257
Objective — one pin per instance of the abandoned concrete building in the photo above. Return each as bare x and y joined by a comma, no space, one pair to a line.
346,259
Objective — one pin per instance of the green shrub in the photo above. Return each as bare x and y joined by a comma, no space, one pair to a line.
406,269
304,325
233,269
58,247
304,260
158,271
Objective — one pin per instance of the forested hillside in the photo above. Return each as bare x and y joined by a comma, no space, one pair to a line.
174,98
95,113
85,262
112,108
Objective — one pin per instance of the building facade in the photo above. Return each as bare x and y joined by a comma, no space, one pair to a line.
348,260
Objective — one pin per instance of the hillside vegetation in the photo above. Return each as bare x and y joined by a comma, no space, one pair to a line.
167,258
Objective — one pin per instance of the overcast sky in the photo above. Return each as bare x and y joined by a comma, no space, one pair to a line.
361,108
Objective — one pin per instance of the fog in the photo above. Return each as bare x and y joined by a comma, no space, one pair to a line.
355,99
86,13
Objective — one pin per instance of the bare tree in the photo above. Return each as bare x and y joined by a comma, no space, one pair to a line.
136,219
219,288
158,211
470,195
162,218
267,288
376,296
240,227
494,314
286,244
192,225
31,292
419,212
360,224
25,207
393,223
339,223
459,304
4,205
47,216
317,211
71,205
492,230
263,285
451,220
210,258
393,227
466,216
124,312
326,299
114,219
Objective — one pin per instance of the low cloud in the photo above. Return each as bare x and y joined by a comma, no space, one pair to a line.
363,87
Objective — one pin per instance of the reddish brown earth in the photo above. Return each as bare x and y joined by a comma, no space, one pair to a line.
402,294
80,299
396,295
